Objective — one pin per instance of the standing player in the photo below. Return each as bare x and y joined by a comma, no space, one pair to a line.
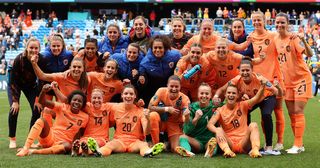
197,137
208,38
69,120
263,42
114,42
234,135
22,78
167,107
297,78
132,124
91,56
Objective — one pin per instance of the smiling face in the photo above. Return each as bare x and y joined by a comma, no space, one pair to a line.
90,49
132,53
97,99
237,28
56,47
246,72
76,103
139,26
281,24
76,69
231,95
195,54
221,49
113,33
158,49
33,48
204,95
128,95
258,21
177,28
110,69
206,30
174,87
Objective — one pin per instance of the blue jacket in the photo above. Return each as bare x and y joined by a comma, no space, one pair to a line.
126,67
105,45
156,72
59,63
160,69
243,38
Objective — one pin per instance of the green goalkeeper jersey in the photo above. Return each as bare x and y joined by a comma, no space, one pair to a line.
200,130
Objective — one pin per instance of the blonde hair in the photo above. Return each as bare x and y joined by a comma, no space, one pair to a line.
58,37
178,19
98,91
32,39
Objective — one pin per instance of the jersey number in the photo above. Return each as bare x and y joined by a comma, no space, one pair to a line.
223,74
235,123
71,124
98,120
282,57
126,127
260,49
302,89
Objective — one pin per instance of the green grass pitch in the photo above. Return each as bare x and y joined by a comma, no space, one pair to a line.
310,158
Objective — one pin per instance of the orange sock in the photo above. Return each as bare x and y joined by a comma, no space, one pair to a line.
46,114
155,127
293,123
280,123
299,129
56,149
34,133
105,151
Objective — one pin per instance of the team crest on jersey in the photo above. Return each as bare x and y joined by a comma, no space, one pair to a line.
288,48
65,62
112,89
267,42
104,113
239,113
134,119
171,64
230,67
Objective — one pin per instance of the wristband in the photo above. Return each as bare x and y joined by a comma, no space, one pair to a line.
166,109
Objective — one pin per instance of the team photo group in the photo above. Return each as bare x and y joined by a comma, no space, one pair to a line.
188,94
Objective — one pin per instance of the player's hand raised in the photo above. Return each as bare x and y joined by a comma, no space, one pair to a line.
46,88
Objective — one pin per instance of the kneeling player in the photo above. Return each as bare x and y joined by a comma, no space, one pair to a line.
132,124
234,135
168,106
197,137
